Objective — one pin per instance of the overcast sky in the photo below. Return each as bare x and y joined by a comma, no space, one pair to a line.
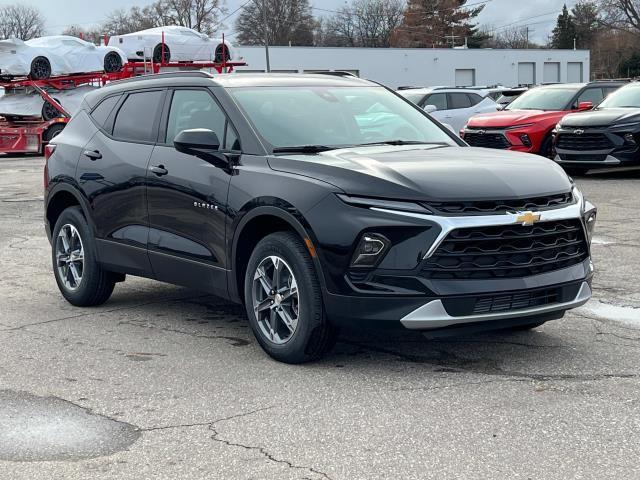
540,15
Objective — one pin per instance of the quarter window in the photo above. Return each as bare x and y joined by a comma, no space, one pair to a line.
194,109
101,113
137,117
475,98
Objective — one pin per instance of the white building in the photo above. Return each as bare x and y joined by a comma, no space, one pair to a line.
427,67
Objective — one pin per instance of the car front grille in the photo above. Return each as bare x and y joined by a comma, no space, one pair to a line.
508,251
584,142
486,140
496,207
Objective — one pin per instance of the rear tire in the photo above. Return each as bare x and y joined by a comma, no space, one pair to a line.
40,68
49,112
157,54
312,335
79,276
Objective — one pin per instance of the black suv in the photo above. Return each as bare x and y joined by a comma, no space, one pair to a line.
317,201
607,136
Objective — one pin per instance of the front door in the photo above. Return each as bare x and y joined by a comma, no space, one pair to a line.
187,197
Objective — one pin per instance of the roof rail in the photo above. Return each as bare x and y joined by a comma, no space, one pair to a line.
409,87
600,80
337,73
196,73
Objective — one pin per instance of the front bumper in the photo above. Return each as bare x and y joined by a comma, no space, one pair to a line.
595,147
433,314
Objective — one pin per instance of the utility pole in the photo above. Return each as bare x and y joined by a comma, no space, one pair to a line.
527,44
266,33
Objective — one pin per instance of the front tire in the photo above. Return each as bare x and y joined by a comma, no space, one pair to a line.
79,276
40,68
112,62
283,299
157,54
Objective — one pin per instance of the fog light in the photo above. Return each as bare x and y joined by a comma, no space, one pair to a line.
370,250
630,139
526,141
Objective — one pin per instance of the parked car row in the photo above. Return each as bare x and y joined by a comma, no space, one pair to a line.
580,125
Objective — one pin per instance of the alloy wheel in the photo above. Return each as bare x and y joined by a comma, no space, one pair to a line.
112,62
40,68
275,299
69,257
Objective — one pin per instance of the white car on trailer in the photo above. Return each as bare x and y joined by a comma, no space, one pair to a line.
181,44
45,57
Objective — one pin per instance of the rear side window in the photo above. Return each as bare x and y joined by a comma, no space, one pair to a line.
101,113
459,100
137,117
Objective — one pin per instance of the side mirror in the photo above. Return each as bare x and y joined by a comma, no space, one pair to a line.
202,143
430,108
585,105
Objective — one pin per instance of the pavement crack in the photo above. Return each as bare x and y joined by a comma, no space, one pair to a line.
233,341
263,451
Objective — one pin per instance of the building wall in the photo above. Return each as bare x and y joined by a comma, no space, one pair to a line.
426,67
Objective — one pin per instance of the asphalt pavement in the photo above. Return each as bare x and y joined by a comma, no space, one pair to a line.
163,382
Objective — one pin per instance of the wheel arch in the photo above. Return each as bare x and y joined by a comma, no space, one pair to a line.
253,227
59,199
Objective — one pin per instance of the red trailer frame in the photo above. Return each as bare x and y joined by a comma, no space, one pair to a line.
31,134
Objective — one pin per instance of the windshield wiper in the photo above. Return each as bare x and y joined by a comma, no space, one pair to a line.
304,149
398,142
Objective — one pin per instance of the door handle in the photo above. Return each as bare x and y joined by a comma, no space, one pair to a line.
159,170
93,154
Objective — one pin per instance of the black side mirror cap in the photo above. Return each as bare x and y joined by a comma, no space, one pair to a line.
202,143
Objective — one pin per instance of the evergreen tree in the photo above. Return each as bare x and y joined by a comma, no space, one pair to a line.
587,23
564,33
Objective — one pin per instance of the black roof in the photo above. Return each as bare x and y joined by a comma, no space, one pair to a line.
200,78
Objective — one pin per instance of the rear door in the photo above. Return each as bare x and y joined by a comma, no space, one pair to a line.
112,174
188,204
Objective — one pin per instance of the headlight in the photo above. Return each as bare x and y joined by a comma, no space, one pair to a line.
524,125
626,125
366,202
588,211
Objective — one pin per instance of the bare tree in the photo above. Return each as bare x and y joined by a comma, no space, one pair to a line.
621,14
288,22
21,21
515,37
201,15
364,23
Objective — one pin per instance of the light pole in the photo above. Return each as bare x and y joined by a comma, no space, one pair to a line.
266,33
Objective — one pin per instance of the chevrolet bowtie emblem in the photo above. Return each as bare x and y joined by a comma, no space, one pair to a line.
526,219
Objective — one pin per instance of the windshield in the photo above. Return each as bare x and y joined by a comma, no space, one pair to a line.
626,97
544,99
334,116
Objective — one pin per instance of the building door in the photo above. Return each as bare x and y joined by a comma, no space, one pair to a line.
465,77
574,72
551,72
526,73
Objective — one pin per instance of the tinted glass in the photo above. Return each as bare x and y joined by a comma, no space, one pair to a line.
194,109
544,99
627,97
593,95
101,113
476,99
334,116
136,118
458,100
438,100
231,141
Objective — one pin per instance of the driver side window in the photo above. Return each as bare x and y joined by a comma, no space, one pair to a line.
438,100
195,109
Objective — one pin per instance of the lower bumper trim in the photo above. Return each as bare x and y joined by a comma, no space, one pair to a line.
434,315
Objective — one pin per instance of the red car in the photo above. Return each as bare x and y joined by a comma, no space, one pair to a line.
526,124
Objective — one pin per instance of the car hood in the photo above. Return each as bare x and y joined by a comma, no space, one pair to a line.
430,173
507,118
602,118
